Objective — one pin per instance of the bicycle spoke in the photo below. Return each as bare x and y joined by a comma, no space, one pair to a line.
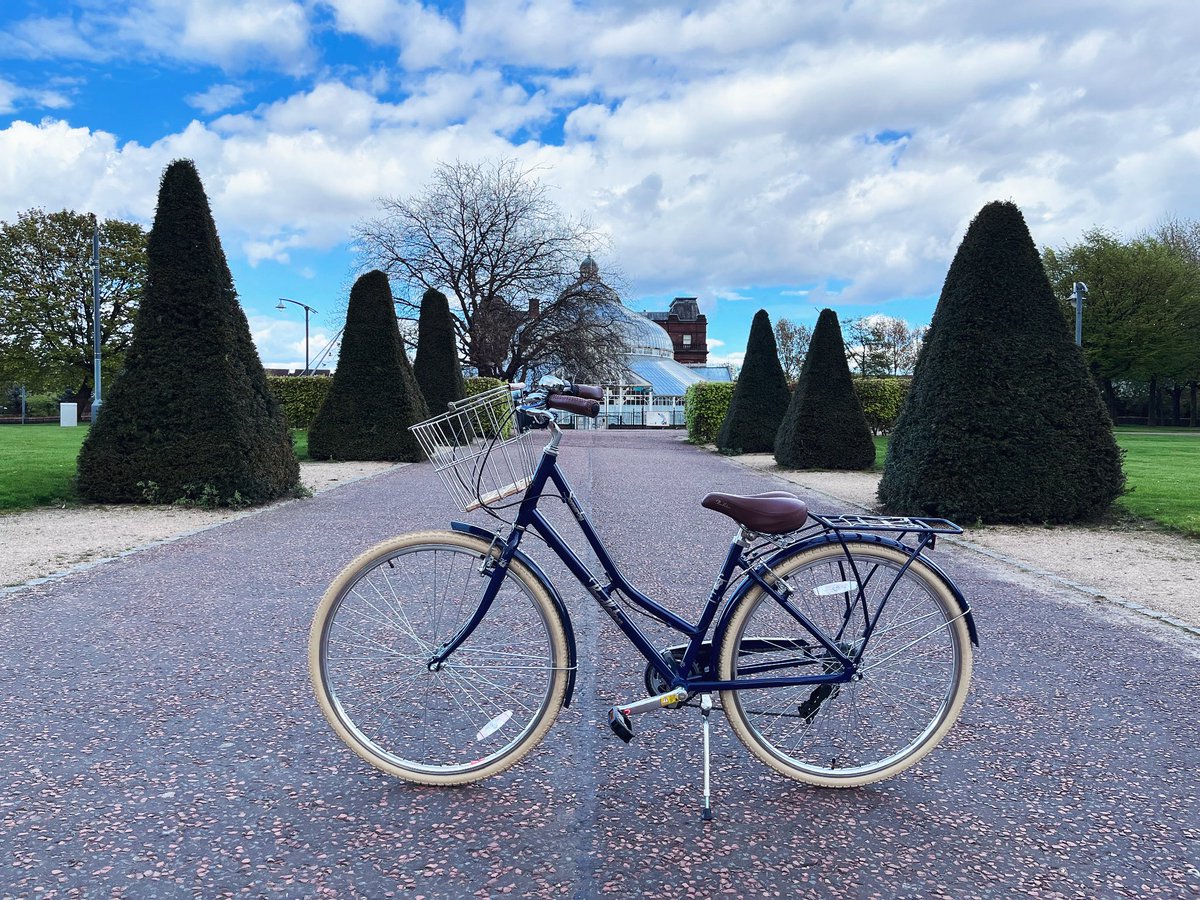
476,711
906,674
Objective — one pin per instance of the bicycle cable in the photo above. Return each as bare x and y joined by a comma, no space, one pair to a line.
490,509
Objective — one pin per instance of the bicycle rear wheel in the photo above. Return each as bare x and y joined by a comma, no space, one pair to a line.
915,669
486,707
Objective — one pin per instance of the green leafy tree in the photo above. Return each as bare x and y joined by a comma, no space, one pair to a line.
1141,314
46,321
191,419
1003,422
881,399
374,397
436,366
760,397
824,427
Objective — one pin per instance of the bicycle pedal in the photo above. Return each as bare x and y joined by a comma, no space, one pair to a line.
621,724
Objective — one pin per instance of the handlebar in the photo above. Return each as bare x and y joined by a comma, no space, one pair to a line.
553,393
587,391
580,406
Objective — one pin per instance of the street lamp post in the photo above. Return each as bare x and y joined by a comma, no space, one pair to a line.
1078,295
307,309
95,318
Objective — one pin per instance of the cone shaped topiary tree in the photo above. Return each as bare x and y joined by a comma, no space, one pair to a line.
436,366
1003,422
374,397
191,417
825,427
760,397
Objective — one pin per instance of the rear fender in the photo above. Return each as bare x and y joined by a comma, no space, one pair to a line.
559,606
831,538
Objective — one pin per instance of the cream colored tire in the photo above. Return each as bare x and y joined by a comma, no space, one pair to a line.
490,703
915,672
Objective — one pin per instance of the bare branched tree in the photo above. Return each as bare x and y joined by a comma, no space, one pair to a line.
882,345
490,238
1181,235
792,339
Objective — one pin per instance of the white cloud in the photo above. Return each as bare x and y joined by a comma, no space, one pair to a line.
217,98
425,37
8,96
724,147
728,359
40,37
228,33
280,342
14,97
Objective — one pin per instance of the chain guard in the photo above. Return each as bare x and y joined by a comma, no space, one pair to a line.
656,684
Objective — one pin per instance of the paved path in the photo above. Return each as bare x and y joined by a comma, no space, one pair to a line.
158,736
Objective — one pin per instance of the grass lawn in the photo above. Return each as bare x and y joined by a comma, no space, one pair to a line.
1162,473
300,443
881,447
37,463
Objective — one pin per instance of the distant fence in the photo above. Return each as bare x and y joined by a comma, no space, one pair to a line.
640,418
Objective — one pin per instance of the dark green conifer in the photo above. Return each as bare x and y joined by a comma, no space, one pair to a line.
436,366
374,397
760,397
191,417
825,427
1003,422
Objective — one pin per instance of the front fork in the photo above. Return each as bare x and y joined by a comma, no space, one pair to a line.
495,566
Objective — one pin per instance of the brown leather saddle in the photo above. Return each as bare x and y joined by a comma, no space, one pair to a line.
774,512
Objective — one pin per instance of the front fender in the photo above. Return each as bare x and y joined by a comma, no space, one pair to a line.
832,538
559,606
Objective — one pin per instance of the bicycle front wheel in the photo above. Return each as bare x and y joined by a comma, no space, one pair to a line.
915,667
478,713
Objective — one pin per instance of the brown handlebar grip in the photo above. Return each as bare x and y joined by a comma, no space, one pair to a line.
580,406
588,391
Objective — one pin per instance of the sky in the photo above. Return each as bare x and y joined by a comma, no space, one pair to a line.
752,153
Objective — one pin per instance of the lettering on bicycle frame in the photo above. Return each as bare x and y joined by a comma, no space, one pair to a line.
607,603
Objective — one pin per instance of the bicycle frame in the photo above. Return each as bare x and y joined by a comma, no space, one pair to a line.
736,561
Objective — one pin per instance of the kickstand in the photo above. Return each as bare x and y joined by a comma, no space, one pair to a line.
706,705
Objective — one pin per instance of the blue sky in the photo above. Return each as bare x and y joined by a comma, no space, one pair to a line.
753,153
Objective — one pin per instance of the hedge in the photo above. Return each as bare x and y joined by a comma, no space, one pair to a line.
477,384
1003,423
825,427
760,397
436,365
374,397
881,399
705,406
300,396
191,418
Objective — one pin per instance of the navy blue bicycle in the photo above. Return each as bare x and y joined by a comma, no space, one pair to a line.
840,653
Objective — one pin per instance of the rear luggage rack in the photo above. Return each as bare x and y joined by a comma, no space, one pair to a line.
887,523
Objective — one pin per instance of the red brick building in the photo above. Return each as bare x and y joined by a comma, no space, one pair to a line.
688,329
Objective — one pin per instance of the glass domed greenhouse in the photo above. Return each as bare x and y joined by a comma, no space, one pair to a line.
649,386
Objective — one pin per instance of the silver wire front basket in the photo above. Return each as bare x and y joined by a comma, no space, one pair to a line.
478,451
